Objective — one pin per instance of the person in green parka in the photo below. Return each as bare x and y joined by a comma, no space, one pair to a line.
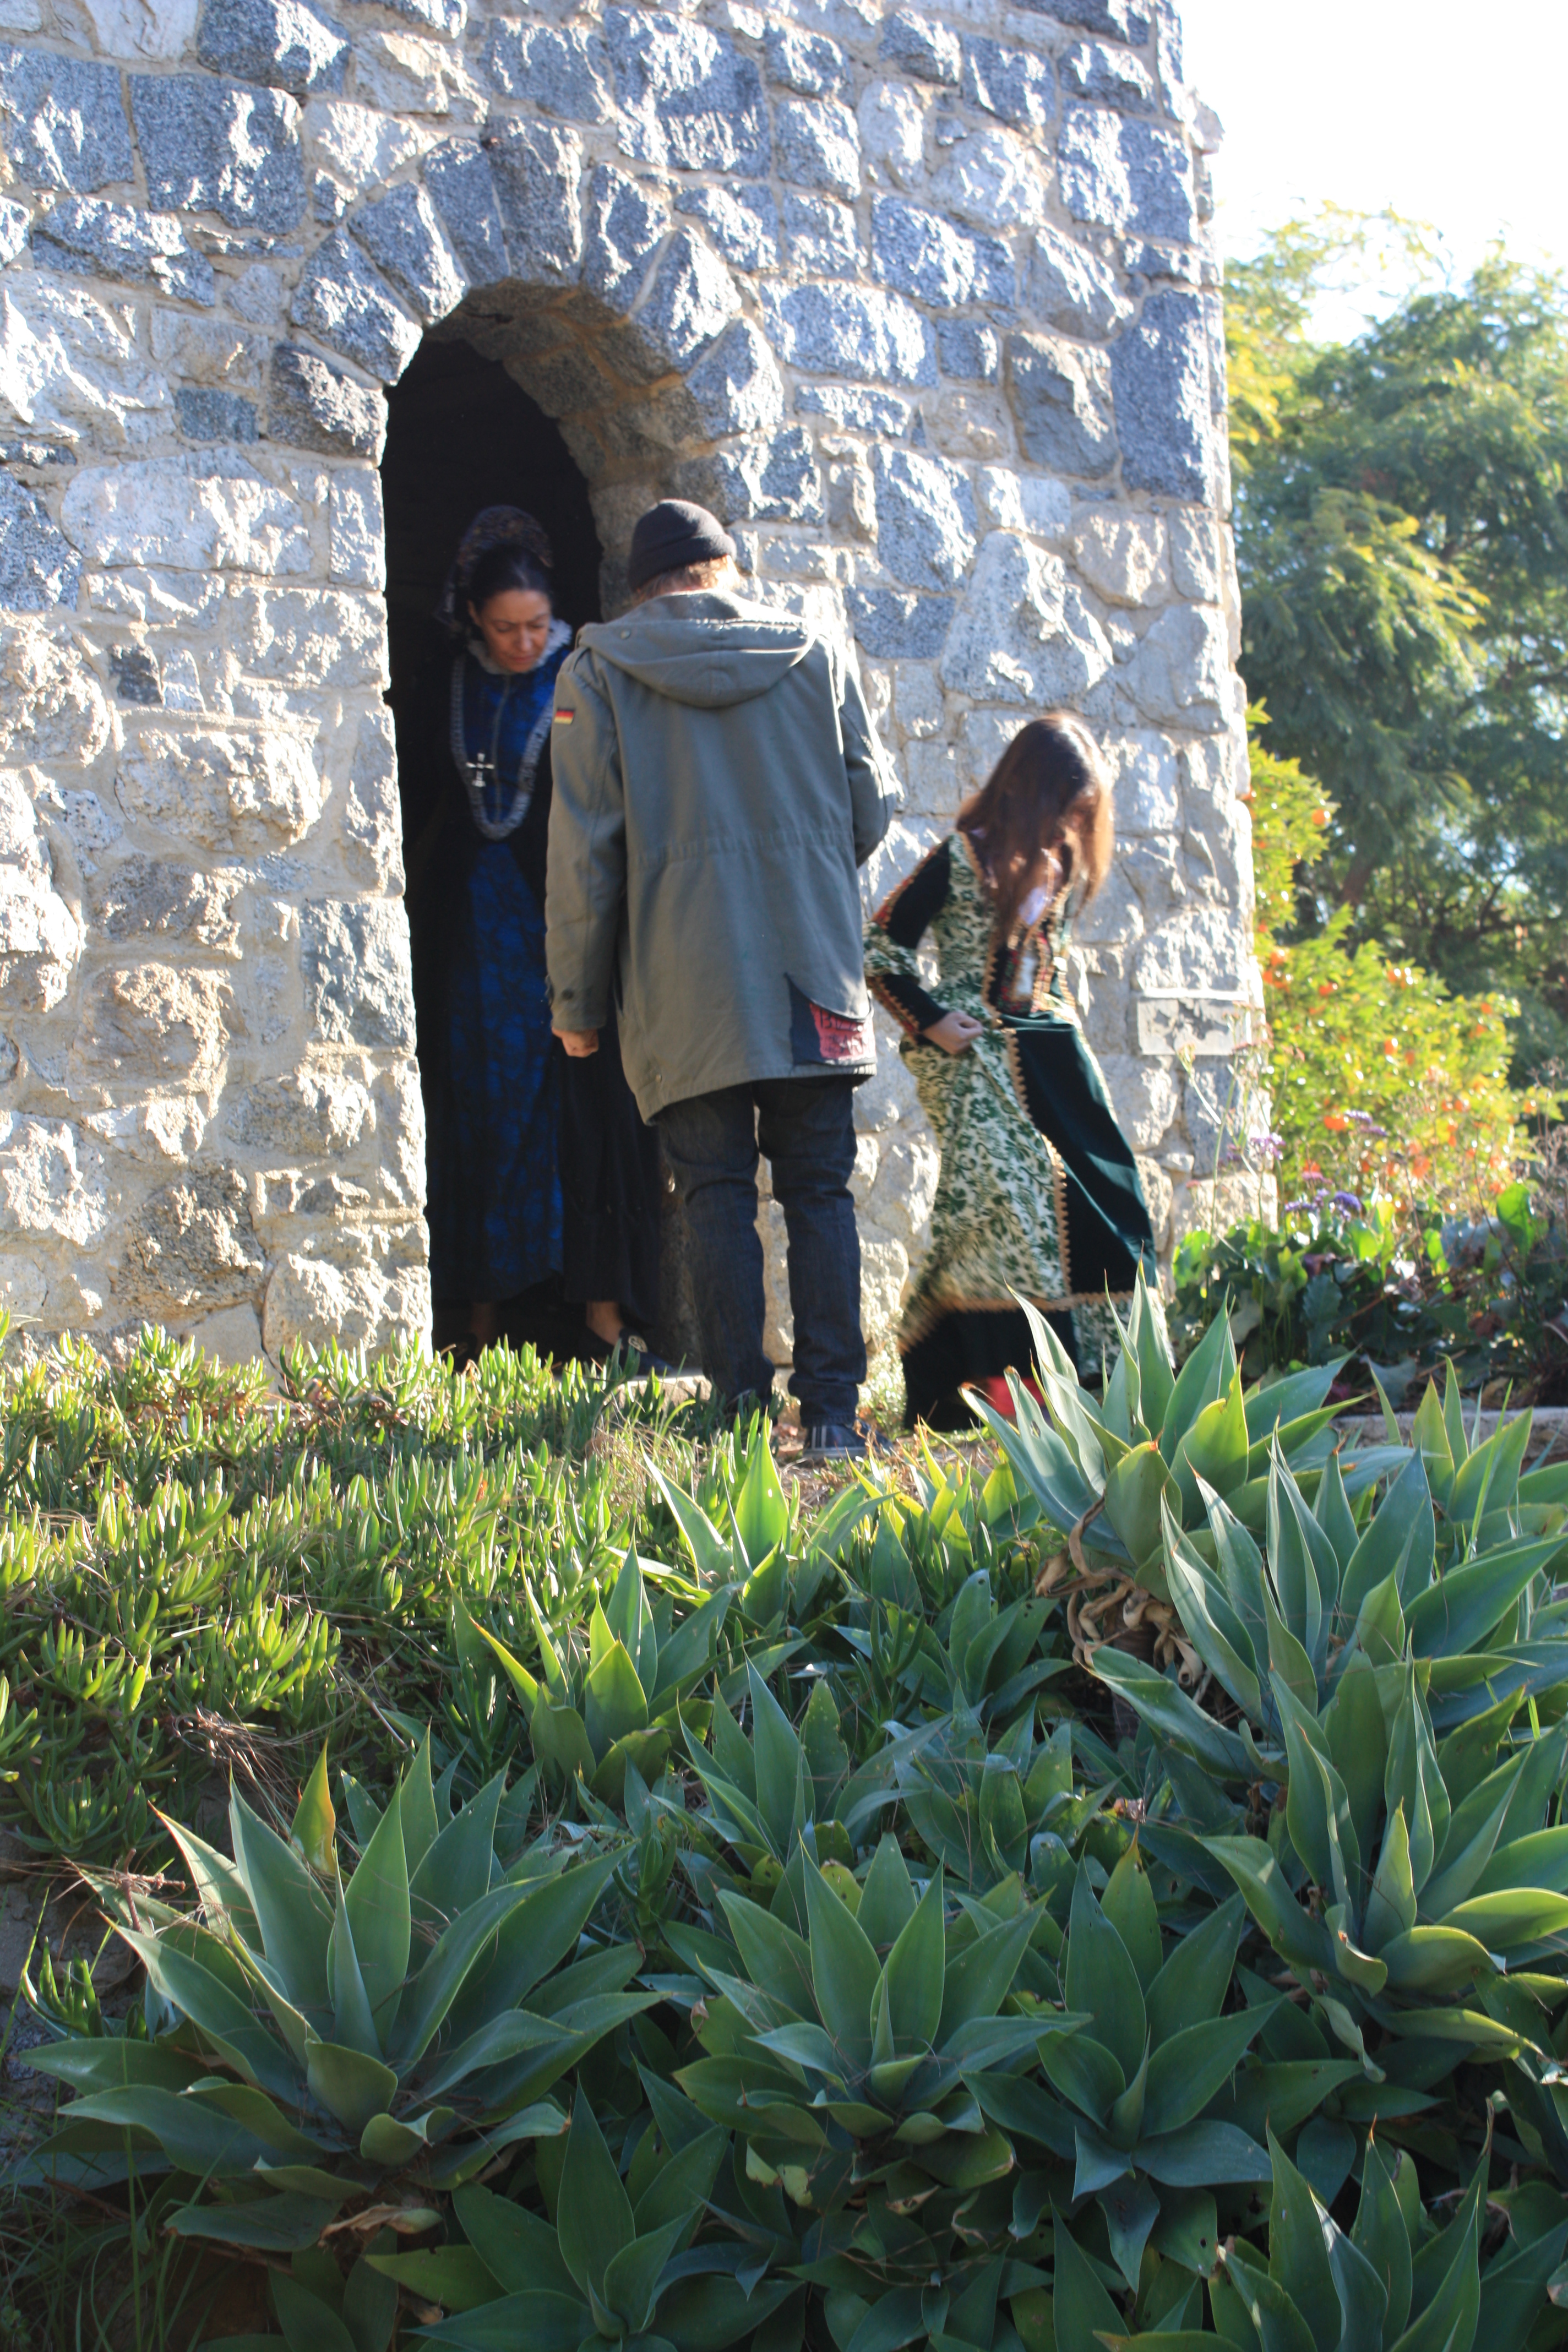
1039,1193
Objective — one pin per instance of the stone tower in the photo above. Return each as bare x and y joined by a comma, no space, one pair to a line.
920,301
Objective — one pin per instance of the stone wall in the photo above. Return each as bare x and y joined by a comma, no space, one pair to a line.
920,301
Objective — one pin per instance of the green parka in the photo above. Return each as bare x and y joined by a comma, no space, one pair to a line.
717,784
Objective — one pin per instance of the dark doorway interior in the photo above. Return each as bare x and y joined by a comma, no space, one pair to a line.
462,435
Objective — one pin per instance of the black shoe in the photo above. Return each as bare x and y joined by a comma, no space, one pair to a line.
833,1440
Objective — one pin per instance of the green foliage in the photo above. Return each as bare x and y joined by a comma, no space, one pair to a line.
847,1967
1486,1297
1400,537
1111,1468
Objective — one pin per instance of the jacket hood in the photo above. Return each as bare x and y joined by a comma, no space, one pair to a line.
700,649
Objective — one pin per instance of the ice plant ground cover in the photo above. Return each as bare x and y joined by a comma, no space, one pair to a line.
1107,1883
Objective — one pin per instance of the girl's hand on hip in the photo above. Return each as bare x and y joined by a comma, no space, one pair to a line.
954,1032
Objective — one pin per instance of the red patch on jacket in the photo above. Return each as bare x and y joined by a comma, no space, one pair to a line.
831,1038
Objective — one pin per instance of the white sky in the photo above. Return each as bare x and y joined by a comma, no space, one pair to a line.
1451,114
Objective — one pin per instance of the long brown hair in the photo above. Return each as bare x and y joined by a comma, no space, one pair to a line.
1042,816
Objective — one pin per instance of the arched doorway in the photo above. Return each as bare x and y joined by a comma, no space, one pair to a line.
462,435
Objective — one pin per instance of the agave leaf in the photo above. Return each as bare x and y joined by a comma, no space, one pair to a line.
978,1979
1457,1613
1381,2235
417,1805
516,2248
1390,1905
1435,1961
1190,2066
315,1823
195,2134
308,2324
1298,2257
349,2084
1445,2290
1241,1568
1513,2287
1083,2312
1409,1783
778,1764
295,1918
1511,1917
529,1943
614,1700
1399,1539
1128,1904
778,1962
761,1512
1135,1493
888,1897
376,1903
1171,1715
1084,2071
1358,1747
1214,1449
844,1970
1205,1376
1040,1458
280,2225
1102,1982
689,1651
1333,1514
388,2142
1212,1625
1472,1835
1434,1442
1293,1932
447,1966
1192,1985
593,2214
220,1889
710,1552
1538,1861
1303,1563
1081,1425
112,2064
1278,1404
914,1973
225,2019
353,2022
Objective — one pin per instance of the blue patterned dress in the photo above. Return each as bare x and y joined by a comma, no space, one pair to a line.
490,1071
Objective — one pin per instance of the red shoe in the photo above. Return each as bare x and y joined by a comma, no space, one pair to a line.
999,1396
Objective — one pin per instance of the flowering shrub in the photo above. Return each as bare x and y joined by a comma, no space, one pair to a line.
1384,1086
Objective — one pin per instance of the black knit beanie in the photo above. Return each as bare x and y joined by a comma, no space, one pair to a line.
673,534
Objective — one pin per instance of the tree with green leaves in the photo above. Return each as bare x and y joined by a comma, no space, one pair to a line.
1402,530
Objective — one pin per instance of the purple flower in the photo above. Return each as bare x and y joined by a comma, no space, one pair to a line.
1294,1208
1348,1202
1358,1118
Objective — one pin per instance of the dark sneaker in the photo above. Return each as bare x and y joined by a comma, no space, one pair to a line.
832,1440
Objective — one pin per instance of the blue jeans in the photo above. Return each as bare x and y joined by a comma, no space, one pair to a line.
805,1129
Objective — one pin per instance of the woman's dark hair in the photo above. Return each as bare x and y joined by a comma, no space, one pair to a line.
1044,810
505,567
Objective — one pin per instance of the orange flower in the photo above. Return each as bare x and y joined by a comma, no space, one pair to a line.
1335,1121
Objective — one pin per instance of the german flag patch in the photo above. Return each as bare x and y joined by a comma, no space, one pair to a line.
564,718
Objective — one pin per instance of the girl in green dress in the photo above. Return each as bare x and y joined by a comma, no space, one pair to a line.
1039,1193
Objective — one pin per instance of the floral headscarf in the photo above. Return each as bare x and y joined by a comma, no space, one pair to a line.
491,527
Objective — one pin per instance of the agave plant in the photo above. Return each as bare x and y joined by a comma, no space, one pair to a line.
846,2062
780,1796
1154,2051
614,1701
316,2041
616,2268
1377,1697
1104,1469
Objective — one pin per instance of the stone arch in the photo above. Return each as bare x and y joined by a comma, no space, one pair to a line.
617,317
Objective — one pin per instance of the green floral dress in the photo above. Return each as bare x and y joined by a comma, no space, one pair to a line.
1039,1192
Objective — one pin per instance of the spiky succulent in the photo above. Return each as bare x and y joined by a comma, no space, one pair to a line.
317,2039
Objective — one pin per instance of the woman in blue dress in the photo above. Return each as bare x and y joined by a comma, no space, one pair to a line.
518,1203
